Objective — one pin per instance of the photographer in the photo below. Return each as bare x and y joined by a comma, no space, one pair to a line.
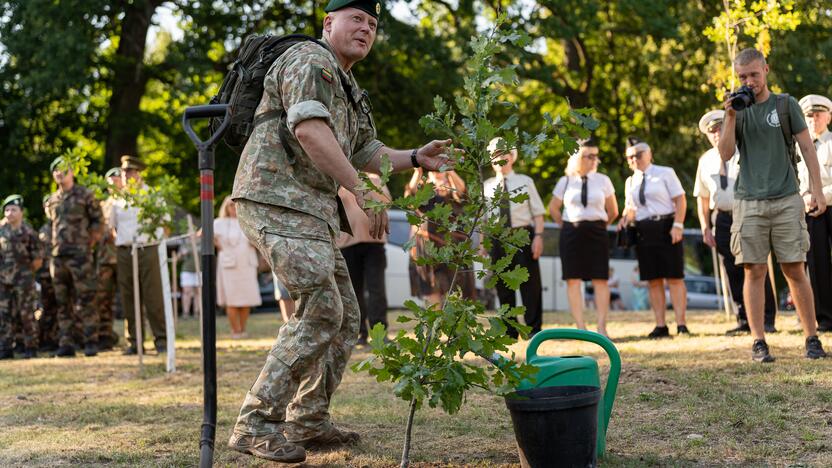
768,210
817,111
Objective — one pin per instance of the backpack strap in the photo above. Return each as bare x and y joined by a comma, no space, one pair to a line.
782,105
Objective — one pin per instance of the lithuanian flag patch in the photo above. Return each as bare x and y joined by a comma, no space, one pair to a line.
325,74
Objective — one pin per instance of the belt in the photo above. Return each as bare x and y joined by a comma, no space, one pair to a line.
727,212
659,217
586,221
130,247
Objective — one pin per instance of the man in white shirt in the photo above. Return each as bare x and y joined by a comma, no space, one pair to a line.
817,109
714,192
124,221
526,215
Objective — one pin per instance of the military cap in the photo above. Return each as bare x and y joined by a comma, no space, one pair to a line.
371,7
113,172
588,142
15,199
710,119
636,145
132,162
55,162
815,103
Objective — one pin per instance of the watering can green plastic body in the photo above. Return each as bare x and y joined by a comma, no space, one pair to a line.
576,370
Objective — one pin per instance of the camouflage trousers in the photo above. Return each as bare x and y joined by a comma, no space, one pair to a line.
17,312
48,321
104,298
305,365
75,274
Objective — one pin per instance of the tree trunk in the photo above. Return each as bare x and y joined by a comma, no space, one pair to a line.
408,431
129,80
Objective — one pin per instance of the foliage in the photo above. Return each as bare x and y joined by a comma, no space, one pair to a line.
755,21
431,367
155,203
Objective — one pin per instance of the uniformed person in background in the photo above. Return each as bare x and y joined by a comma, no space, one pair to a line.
285,189
21,255
124,221
817,110
76,227
105,269
714,192
48,320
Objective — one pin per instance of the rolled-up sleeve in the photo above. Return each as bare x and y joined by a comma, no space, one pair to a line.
304,111
362,157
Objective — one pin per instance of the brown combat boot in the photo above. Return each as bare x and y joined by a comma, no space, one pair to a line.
330,437
273,447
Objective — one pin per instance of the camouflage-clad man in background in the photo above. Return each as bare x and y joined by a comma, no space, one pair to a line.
48,321
20,255
106,259
76,225
286,189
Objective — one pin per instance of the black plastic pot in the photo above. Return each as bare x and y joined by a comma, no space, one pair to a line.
556,426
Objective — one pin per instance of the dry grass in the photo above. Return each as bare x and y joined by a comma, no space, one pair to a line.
695,401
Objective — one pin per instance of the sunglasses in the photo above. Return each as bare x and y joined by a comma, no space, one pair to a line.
715,128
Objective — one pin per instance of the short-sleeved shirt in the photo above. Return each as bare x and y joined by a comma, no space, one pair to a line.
522,214
823,146
18,249
598,189
660,188
306,82
766,170
708,182
76,216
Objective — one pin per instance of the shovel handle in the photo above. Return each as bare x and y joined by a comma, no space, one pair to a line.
206,112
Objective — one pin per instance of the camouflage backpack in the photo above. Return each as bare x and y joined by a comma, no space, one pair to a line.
242,87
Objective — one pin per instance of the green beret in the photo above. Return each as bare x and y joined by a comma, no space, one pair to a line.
15,199
372,7
113,172
55,162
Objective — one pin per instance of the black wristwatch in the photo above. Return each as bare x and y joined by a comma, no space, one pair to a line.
413,158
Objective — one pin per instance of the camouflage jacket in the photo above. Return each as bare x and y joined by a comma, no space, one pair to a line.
45,238
306,82
18,249
76,216
105,250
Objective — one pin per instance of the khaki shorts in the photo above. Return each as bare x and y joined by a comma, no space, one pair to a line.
761,226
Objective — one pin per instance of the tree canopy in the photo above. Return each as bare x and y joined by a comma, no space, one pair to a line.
83,73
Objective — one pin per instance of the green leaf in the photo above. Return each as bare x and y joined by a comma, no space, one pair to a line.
514,278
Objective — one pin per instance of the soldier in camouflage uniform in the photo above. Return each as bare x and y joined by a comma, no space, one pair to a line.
20,255
76,225
105,270
286,189
48,321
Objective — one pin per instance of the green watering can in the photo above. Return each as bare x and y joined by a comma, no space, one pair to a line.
575,370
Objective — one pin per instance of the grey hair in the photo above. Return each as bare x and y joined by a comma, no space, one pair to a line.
746,56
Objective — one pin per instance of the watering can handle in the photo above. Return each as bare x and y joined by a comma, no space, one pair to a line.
592,337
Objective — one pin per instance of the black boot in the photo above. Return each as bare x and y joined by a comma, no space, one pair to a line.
6,354
65,351
30,353
90,349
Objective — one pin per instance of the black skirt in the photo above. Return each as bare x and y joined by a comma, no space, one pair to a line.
585,250
658,256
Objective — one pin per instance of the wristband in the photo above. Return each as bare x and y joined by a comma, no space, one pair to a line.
679,225
413,160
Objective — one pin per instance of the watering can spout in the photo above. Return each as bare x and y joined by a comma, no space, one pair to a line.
576,370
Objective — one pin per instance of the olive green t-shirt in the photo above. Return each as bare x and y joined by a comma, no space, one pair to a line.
766,170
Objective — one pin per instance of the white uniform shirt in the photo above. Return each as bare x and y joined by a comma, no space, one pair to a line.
522,214
823,145
660,188
598,188
707,183
125,220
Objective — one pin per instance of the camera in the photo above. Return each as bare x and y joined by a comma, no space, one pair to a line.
742,98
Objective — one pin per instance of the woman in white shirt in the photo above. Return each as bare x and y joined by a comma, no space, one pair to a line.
237,287
655,204
584,203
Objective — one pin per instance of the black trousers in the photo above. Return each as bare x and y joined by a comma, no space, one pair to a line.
736,273
531,291
366,263
819,261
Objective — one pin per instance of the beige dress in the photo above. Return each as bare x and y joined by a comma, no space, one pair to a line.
236,266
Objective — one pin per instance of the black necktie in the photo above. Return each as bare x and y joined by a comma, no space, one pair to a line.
641,198
817,143
505,204
583,191
723,176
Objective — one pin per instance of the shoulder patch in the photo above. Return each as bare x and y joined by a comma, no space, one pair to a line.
326,75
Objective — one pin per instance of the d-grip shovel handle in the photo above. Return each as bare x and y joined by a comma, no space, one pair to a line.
592,337
206,112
